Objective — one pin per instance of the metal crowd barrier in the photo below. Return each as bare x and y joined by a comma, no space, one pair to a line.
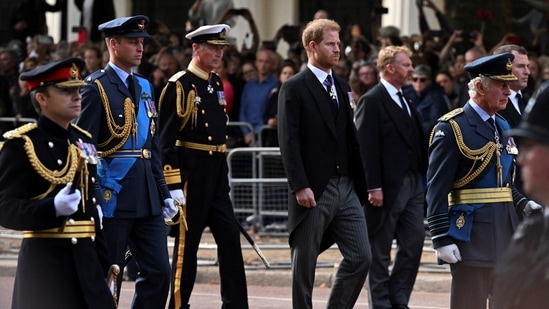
259,188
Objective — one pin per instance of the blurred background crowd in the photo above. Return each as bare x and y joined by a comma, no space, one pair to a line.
254,69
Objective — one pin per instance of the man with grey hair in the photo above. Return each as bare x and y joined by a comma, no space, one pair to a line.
472,201
427,97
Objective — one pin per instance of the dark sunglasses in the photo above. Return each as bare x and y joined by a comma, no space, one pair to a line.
421,79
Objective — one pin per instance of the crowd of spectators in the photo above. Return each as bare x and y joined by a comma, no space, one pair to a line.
252,70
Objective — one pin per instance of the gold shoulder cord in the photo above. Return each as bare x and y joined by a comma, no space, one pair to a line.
66,174
183,111
116,131
483,154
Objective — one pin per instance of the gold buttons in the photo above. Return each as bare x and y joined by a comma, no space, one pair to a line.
209,138
74,241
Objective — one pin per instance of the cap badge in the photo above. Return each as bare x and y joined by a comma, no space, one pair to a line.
509,65
222,34
141,25
73,72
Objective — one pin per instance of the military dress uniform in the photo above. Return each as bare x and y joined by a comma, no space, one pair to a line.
123,125
193,135
472,201
61,259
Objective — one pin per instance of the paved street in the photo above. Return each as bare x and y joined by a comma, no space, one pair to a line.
206,296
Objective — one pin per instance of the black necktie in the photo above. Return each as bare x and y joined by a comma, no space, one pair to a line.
131,86
403,104
491,124
520,102
329,83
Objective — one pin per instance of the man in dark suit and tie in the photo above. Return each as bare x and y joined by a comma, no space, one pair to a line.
394,151
521,69
321,157
516,102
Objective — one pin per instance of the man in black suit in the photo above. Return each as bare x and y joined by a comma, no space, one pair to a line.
394,151
118,109
516,102
521,69
320,153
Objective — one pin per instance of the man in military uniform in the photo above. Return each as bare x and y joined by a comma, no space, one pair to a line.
193,133
47,190
472,202
120,113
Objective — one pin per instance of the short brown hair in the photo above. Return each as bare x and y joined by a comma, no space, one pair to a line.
314,31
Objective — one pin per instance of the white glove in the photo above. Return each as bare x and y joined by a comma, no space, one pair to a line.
66,204
531,207
100,215
449,254
170,210
178,195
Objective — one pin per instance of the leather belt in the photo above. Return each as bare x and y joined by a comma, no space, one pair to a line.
205,147
480,196
71,229
139,153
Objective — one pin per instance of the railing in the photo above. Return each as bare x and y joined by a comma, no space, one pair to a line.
259,188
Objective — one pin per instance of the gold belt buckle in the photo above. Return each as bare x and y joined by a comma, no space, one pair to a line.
145,153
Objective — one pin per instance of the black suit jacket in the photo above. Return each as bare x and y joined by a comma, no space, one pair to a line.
385,149
308,138
511,114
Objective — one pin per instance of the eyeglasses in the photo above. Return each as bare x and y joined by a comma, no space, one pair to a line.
420,79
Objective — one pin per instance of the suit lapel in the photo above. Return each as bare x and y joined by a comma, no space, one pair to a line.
511,114
321,99
395,112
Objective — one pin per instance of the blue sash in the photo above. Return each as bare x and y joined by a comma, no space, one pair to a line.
111,174
488,181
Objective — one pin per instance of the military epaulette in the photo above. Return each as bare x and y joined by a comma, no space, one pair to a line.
20,131
95,75
88,134
176,76
451,114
